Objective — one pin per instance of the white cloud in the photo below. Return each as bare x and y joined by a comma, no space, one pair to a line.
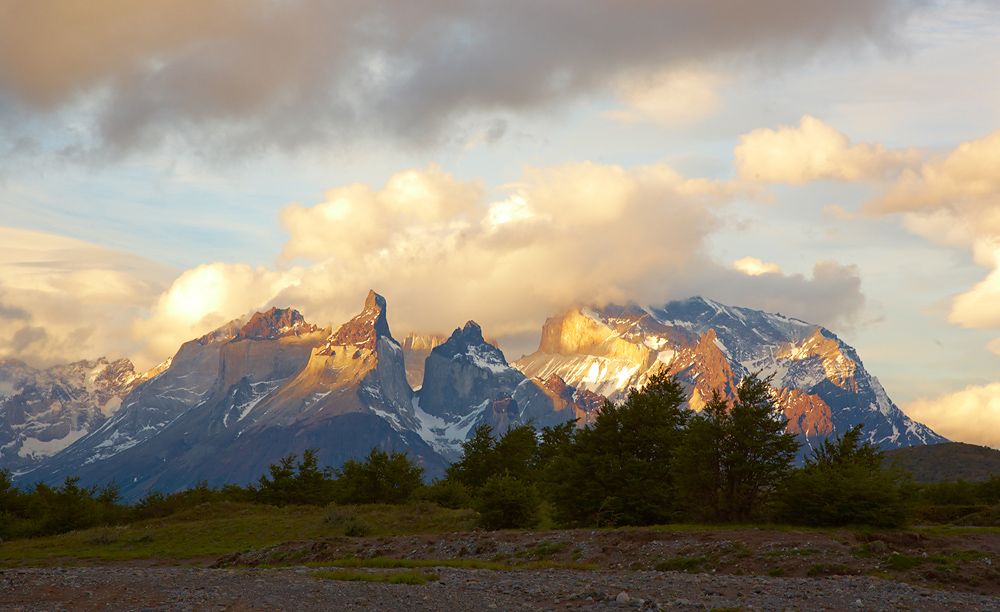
236,76
755,267
576,233
815,151
971,415
954,200
63,299
201,300
669,98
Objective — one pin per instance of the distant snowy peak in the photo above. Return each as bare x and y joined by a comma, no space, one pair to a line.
44,411
737,328
819,380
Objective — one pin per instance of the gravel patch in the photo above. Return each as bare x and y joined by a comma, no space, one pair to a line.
178,589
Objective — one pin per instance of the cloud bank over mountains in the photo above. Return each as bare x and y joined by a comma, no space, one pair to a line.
237,76
442,252
645,150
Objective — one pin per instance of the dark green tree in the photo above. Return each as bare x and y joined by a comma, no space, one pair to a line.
617,470
757,451
295,482
697,467
475,466
382,478
515,452
843,483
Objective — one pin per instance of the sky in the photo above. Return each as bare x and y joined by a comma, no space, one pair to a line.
169,165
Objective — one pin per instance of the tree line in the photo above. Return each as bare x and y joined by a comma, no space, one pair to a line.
646,461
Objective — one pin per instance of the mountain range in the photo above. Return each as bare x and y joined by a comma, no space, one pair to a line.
230,403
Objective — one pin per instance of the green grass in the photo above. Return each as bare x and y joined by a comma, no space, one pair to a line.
411,577
902,563
217,529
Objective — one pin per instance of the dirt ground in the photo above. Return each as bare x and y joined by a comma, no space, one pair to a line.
967,562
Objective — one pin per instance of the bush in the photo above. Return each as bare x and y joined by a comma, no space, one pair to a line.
346,520
445,493
843,483
505,502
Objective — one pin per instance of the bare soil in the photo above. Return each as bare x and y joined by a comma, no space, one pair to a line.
642,569
967,562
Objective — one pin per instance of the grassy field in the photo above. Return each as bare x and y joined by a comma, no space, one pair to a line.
218,529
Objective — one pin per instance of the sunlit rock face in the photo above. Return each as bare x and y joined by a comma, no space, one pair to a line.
416,349
229,404
251,393
44,411
818,380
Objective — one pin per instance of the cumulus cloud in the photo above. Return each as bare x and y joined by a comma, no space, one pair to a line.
201,300
240,74
815,151
63,299
954,200
971,415
442,252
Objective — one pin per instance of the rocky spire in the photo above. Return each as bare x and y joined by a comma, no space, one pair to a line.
365,329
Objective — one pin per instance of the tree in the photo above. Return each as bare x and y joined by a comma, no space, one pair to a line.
757,452
474,467
843,483
483,456
295,482
733,457
697,467
617,470
382,478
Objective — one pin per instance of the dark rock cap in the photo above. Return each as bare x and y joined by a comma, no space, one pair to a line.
365,329
274,324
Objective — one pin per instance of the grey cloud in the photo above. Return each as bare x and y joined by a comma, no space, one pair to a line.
13,313
831,297
238,75
26,336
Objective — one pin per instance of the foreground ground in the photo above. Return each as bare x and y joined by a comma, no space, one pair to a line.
670,568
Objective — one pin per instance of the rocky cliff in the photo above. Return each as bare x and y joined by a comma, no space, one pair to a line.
819,381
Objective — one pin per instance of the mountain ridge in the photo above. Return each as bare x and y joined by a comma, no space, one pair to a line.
256,389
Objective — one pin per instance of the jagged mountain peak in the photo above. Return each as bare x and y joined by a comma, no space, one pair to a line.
820,381
472,333
468,344
273,324
365,329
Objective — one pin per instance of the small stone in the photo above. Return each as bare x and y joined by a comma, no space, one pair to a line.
622,598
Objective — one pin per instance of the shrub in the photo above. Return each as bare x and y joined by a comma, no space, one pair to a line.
505,502
445,493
